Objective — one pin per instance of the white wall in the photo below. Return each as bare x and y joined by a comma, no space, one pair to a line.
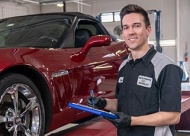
70,7
167,13
184,30
10,9
51,8
168,18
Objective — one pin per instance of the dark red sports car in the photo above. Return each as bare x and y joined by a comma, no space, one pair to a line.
49,60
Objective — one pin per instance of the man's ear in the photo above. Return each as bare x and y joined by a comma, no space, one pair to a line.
149,30
122,35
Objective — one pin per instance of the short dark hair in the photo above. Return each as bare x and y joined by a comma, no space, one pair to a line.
132,8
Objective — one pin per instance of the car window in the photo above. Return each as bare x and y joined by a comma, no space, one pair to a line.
85,29
16,22
91,26
33,31
44,35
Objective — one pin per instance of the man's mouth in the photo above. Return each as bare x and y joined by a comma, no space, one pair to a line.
132,38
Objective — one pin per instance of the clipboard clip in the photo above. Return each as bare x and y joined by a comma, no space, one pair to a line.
92,96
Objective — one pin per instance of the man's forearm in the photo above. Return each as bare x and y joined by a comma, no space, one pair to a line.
156,119
111,104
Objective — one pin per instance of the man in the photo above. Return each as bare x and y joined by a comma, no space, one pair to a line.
148,92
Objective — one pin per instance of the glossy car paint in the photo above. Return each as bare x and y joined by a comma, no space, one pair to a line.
98,71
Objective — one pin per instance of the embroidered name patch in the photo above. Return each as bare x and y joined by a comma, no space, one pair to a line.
120,80
144,81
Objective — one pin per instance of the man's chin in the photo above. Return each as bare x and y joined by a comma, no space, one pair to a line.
133,47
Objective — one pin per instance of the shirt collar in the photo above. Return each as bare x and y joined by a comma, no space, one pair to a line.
130,57
147,57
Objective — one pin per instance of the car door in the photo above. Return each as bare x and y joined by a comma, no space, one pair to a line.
98,71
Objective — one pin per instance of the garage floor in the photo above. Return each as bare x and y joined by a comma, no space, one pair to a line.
182,133
94,127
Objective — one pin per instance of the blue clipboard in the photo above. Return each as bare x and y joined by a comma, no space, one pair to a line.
93,110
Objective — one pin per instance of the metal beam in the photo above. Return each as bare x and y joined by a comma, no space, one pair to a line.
64,6
50,1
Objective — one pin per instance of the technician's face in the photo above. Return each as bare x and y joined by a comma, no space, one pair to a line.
134,31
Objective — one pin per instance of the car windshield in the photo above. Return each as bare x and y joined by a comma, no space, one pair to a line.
33,31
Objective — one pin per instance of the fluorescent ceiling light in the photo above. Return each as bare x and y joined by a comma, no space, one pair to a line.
60,4
31,1
164,42
67,1
79,2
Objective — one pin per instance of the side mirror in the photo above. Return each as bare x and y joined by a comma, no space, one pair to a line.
94,41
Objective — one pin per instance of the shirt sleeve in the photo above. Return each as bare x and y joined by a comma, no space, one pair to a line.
169,82
116,91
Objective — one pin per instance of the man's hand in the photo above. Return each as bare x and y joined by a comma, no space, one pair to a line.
99,102
123,121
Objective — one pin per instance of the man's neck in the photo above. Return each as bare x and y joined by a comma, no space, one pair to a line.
136,54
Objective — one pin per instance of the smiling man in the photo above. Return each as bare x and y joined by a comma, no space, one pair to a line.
148,92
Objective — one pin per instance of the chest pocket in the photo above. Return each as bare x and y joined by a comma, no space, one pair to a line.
144,95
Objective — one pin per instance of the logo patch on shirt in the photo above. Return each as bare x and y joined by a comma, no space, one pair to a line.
144,81
120,80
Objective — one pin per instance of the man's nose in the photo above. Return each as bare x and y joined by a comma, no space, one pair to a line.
131,30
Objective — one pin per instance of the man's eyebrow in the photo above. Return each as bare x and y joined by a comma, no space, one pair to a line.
124,25
137,23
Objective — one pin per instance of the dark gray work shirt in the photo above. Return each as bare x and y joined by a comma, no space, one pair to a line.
148,85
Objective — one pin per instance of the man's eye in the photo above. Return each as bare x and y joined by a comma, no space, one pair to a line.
137,25
124,28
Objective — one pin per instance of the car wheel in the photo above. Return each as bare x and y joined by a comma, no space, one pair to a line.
21,108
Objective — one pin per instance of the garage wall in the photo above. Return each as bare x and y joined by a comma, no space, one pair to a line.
70,7
51,8
10,9
168,8
184,31
168,18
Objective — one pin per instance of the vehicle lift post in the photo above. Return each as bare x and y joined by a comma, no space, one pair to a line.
157,28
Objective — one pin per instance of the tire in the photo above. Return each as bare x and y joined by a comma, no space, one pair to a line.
21,108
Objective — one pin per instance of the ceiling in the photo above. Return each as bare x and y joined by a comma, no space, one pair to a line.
44,1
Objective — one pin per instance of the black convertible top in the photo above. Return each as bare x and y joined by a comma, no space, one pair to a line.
25,20
72,14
